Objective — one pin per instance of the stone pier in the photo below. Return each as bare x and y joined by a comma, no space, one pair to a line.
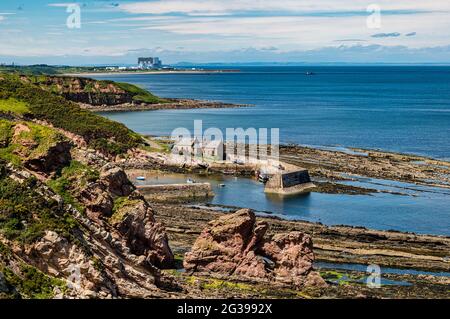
289,183
179,193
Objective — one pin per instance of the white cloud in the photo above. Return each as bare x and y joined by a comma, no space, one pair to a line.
59,5
312,32
295,24
293,6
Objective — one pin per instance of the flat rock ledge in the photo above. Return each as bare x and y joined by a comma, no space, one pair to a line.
234,245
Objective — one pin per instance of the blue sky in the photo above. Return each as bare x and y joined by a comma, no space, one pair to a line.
201,31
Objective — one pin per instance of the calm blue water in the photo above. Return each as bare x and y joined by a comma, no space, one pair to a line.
427,212
402,109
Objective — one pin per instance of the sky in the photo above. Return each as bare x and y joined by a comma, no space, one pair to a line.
225,31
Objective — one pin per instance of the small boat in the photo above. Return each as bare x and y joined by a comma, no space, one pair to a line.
190,181
309,73
222,185
140,178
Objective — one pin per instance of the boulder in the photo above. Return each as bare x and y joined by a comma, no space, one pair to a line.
227,246
144,236
116,181
96,199
234,244
293,258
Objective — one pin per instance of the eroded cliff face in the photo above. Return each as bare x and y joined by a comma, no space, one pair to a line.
72,225
82,90
74,230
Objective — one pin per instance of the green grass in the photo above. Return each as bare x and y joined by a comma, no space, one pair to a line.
71,179
44,137
32,283
120,209
14,106
139,94
30,143
107,136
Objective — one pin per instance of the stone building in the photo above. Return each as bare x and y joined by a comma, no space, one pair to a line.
213,150
206,150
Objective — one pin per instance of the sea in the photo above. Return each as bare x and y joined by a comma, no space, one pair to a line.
403,109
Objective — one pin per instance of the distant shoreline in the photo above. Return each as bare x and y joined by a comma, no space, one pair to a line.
151,72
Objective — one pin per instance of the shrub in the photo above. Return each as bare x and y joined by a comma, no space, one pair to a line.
105,135
25,214
32,283
71,179
13,106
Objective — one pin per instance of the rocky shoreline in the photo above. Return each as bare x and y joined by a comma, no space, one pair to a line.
89,233
171,104
339,165
338,245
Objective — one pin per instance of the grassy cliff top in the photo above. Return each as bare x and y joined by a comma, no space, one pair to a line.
55,79
69,85
27,99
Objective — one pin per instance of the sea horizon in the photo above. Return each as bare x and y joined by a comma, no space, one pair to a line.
401,109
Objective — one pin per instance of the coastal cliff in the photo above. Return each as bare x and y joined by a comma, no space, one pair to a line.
102,95
92,92
72,225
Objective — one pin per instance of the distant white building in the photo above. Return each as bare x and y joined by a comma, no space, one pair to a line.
149,63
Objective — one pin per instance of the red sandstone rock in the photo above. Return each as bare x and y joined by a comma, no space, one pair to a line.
116,181
293,256
233,244
135,221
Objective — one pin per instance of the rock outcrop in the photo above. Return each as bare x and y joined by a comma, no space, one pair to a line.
55,157
234,244
83,90
41,149
293,258
98,197
56,256
144,236
116,181
113,198
113,250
